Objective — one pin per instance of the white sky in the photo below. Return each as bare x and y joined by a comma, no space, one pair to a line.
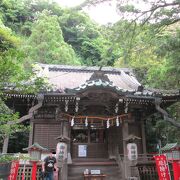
102,14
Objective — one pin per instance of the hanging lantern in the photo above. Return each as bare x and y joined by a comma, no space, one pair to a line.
72,121
86,122
108,124
117,121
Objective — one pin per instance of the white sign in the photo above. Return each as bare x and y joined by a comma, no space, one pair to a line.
95,171
82,150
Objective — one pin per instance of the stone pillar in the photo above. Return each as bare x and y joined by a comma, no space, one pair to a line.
62,149
61,156
63,142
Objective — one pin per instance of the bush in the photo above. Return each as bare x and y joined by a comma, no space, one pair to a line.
7,158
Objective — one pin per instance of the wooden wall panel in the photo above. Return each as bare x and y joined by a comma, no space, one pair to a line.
45,134
94,150
115,140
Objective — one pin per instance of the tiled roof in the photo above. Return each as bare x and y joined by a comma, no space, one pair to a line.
62,77
35,146
169,146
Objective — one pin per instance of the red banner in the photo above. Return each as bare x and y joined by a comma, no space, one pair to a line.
176,170
14,170
162,167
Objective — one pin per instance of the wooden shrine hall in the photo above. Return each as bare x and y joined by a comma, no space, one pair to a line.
100,110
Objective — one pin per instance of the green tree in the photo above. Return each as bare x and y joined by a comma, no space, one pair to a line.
46,43
13,77
167,49
8,124
85,37
7,38
161,12
19,15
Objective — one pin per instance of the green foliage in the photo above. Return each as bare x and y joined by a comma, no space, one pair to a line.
161,13
14,76
7,158
86,38
8,122
46,43
155,58
78,31
7,39
158,130
19,15
41,31
168,49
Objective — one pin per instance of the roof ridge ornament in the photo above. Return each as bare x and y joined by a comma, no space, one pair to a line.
99,75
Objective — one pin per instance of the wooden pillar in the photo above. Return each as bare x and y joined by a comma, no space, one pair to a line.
66,132
143,137
125,133
65,128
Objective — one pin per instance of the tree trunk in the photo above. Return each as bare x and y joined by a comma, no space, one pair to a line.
165,114
5,144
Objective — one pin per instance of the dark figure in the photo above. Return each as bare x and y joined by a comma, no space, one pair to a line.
48,167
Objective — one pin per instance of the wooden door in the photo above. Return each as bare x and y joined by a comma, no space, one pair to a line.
94,140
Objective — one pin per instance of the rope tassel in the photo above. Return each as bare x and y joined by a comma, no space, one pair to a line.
108,124
72,121
86,122
117,121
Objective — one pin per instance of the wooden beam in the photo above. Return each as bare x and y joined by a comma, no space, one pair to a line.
125,133
31,111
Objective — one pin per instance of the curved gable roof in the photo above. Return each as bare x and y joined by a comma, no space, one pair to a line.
63,77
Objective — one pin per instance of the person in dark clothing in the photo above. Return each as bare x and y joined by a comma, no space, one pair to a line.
48,166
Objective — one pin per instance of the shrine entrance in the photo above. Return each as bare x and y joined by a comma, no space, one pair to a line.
89,142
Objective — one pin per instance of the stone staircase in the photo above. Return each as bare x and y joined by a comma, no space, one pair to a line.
106,166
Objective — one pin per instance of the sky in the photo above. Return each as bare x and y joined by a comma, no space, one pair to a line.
102,14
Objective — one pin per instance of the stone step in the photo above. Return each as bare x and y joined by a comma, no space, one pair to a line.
75,171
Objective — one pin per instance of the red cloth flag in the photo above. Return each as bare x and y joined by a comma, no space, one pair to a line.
14,170
162,167
34,170
176,170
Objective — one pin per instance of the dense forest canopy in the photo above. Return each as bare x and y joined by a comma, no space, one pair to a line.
41,31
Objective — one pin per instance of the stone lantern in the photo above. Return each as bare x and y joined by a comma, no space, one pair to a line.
62,155
35,151
130,154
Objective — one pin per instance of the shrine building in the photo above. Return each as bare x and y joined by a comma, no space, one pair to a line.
100,111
